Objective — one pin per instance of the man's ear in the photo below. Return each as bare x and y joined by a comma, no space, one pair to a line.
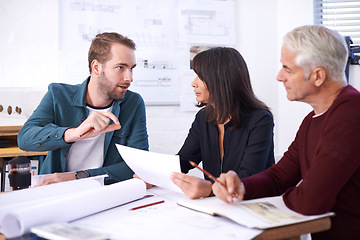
95,67
319,75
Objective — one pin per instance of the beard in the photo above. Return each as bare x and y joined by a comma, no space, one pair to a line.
108,89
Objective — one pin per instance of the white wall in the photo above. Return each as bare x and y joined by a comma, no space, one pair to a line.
261,25
28,44
290,14
257,42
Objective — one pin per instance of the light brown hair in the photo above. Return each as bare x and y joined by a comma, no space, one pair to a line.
100,48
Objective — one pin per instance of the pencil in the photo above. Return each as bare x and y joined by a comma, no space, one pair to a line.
147,205
207,173
90,129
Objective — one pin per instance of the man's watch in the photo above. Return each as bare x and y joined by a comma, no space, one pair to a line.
81,174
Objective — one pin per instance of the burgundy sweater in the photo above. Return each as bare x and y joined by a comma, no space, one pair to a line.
325,155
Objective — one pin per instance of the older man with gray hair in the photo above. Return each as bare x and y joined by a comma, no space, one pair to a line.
320,172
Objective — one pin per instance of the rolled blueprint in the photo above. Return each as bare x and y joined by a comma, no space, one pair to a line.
32,196
71,206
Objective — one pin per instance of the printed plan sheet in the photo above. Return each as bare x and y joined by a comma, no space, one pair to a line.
164,221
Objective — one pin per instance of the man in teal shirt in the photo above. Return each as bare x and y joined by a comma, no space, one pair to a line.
80,124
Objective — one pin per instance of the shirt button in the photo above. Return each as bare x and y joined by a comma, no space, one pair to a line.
56,136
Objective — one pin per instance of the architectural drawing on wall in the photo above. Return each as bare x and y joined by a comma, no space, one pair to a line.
163,30
81,20
95,6
201,22
213,22
149,23
156,77
157,64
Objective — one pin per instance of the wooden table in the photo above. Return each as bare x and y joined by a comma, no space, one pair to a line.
9,134
293,232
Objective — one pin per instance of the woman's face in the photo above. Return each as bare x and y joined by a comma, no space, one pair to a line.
200,89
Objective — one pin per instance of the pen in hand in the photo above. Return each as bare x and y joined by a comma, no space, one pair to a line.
90,129
210,175
207,173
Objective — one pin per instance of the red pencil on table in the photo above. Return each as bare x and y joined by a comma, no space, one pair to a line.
147,205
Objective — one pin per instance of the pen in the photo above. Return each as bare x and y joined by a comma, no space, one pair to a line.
210,176
90,129
207,173
147,205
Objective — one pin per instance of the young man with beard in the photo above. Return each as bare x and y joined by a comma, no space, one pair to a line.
102,104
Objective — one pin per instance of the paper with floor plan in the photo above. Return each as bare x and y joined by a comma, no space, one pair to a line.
154,168
261,213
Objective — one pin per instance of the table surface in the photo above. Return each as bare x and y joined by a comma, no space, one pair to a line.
295,230
172,221
182,222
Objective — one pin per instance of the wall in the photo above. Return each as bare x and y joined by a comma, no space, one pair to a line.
34,62
257,40
290,14
28,44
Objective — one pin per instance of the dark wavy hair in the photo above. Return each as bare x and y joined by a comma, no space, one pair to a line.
226,76
100,48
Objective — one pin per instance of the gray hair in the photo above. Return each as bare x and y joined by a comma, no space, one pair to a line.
318,46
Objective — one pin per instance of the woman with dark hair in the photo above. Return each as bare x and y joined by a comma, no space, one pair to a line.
233,130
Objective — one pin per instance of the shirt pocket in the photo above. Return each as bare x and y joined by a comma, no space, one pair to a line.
121,136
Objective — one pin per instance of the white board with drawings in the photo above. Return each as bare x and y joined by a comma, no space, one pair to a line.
52,45
163,30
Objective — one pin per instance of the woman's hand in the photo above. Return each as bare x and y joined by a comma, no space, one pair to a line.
193,187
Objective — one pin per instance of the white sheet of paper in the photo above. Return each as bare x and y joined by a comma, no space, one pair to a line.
164,221
154,168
